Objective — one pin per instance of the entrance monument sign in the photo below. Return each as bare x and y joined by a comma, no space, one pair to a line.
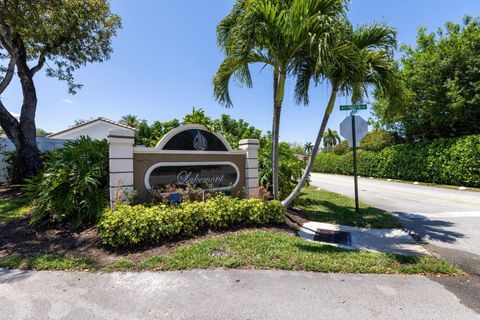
187,156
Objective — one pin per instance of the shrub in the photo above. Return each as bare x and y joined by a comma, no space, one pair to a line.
290,167
444,161
129,226
342,148
73,186
378,140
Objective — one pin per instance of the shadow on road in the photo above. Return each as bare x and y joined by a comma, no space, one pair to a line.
429,229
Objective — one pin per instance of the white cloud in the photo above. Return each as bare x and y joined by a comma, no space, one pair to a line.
67,100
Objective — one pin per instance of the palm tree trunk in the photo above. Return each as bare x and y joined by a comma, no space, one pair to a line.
331,103
279,89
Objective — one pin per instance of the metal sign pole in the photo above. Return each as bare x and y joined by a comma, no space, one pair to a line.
355,173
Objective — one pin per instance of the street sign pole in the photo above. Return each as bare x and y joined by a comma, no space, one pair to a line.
356,130
355,173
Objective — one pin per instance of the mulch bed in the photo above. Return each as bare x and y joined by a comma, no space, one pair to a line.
19,237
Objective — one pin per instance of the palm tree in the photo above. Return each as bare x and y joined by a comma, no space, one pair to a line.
130,120
308,147
273,33
356,60
198,116
330,140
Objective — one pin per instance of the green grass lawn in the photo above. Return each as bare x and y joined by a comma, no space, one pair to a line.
47,262
323,206
11,208
253,250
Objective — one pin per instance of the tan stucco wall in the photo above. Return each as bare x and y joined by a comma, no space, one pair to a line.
143,161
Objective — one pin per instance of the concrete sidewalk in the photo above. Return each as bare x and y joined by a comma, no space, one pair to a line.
377,240
224,294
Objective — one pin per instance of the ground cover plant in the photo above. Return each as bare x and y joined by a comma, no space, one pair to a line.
329,207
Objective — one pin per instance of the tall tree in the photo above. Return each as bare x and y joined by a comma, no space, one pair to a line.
330,140
198,116
130,120
354,61
308,147
58,35
441,85
273,33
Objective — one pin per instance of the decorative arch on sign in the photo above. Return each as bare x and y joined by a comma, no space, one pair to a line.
195,138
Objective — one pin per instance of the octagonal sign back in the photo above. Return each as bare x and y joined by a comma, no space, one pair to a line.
361,127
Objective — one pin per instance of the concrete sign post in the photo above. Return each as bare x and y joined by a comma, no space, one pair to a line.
354,129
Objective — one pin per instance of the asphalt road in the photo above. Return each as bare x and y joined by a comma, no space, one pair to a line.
221,294
448,220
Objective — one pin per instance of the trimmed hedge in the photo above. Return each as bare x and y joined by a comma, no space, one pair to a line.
444,161
129,226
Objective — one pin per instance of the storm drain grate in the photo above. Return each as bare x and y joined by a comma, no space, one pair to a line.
333,236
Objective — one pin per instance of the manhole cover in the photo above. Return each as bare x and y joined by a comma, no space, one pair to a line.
333,236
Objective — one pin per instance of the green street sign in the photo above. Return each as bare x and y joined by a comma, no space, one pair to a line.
353,107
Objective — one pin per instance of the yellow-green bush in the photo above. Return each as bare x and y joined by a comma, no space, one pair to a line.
128,226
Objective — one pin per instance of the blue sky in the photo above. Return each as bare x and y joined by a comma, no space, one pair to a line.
166,55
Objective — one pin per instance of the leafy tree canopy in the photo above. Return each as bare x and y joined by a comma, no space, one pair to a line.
59,36
378,140
440,91
67,33
130,120
233,130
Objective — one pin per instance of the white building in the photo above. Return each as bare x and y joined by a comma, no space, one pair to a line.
95,129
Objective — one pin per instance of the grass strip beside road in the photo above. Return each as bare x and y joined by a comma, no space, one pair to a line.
47,262
329,207
251,250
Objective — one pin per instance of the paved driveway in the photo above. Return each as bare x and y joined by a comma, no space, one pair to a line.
448,219
220,294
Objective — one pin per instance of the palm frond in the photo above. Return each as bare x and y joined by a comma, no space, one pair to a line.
234,67
376,36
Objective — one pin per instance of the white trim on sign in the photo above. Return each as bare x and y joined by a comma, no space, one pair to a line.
145,150
195,164
180,129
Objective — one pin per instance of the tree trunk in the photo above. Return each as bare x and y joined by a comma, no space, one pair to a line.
279,88
23,136
28,160
286,203
23,133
